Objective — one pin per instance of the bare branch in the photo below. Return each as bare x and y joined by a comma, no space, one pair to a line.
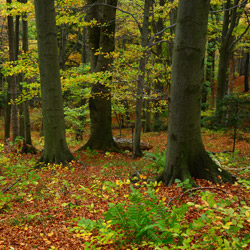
235,6
240,37
161,41
158,33
8,188
124,11
193,190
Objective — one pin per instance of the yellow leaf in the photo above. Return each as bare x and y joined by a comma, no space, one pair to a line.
50,234
227,225
163,198
128,181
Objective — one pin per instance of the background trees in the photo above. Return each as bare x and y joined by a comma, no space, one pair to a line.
102,71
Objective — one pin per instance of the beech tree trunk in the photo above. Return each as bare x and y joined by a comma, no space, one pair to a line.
230,21
12,79
7,114
158,85
140,83
186,156
211,48
101,38
25,40
55,149
246,82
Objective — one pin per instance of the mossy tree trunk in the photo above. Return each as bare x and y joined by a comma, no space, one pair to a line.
101,38
55,149
186,156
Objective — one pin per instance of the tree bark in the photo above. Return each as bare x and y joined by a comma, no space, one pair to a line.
84,46
157,27
140,82
7,114
246,82
62,45
186,156
172,17
25,41
211,48
100,102
12,79
19,79
230,21
55,149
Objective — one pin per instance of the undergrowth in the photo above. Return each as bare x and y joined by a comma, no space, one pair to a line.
145,220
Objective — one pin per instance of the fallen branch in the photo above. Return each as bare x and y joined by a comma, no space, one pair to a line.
193,190
8,188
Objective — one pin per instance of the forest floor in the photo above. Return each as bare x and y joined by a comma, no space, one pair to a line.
42,208
39,210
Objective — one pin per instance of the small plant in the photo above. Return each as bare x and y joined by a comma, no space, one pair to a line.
184,185
159,161
145,220
90,152
23,219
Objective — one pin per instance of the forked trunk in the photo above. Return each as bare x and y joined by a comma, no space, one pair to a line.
101,39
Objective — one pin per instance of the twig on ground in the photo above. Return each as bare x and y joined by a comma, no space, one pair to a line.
8,188
193,190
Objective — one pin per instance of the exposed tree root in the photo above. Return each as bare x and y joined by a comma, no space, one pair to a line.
200,166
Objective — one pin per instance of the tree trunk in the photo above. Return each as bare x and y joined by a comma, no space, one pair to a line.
230,21
12,79
147,124
62,45
100,102
19,79
7,114
246,83
172,17
25,40
140,82
186,156
209,72
55,149
84,46
158,86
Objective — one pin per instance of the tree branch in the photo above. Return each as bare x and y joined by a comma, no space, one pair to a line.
235,6
193,190
124,11
158,33
240,37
